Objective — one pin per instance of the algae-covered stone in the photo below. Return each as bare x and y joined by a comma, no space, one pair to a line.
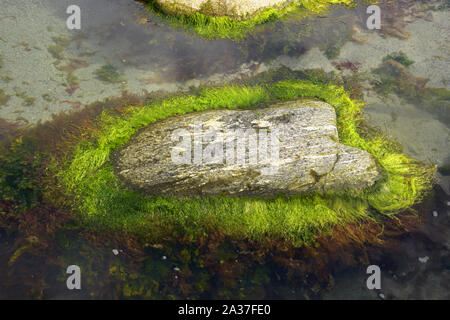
290,148
232,8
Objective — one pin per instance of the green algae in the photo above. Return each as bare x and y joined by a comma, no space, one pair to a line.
6,78
394,77
61,42
18,167
109,74
28,101
400,57
203,269
56,51
102,202
4,98
70,68
211,27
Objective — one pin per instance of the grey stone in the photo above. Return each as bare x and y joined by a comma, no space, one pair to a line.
309,156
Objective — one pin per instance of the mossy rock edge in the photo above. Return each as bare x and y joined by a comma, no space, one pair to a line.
213,21
102,202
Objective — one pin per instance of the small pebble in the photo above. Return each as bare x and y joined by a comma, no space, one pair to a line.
382,296
448,203
424,259
435,213
164,257
116,252
176,269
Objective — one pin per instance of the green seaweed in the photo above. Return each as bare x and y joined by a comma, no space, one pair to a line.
56,51
6,78
103,202
4,98
400,57
18,167
211,27
28,101
394,77
109,74
61,40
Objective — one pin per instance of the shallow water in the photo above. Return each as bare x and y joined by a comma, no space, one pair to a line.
47,69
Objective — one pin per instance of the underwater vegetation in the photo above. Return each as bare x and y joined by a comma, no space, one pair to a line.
57,48
400,57
42,187
56,51
28,101
394,76
109,74
101,202
230,28
69,68
200,247
4,98
7,130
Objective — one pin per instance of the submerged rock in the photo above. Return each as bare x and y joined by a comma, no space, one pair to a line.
289,148
232,8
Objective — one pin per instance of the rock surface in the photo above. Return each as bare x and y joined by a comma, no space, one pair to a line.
232,8
297,150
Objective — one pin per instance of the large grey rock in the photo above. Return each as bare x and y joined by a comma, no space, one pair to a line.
233,8
309,156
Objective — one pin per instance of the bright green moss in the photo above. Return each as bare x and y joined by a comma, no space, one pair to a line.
103,202
230,28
